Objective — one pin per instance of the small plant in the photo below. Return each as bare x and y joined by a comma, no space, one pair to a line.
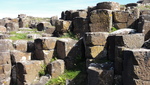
18,36
53,59
113,29
42,71
70,35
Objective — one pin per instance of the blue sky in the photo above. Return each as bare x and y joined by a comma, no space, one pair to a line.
46,8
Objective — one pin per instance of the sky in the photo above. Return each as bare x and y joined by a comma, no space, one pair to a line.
46,8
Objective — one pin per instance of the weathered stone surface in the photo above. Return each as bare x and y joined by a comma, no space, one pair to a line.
48,42
101,21
130,41
56,68
20,45
79,13
53,20
100,74
64,47
145,1
2,22
43,25
18,56
5,68
6,45
47,35
48,54
136,66
28,72
12,26
133,18
50,30
68,14
80,26
120,25
120,16
96,38
2,29
144,28
146,44
33,36
4,36
124,31
30,46
95,52
145,12
108,5
38,54
62,25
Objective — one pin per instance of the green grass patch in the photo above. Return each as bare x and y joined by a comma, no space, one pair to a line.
113,29
18,36
69,35
61,80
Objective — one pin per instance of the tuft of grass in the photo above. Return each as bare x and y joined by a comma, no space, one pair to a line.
113,29
18,36
42,71
69,35
61,80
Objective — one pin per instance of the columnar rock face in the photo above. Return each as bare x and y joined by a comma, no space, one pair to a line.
96,38
120,16
48,55
136,67
101,21
100,74
18,56
80,26
144,26
64,46
62,26
79,13
27,72
95,44
108,5
147,44
43,25
20,45
56,68
5,68
129,41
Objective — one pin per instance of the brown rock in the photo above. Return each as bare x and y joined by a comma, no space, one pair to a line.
28,72
62,25
96,38
80,26
43,25
120,16
79,13
50,30
108,5
95,52
136,66
101,21
12,26
130,41
144,28
18,56
120,25
2,29
48,42
64,46
53,20
56,68
33,36
6,45
20,45
48,54
100,74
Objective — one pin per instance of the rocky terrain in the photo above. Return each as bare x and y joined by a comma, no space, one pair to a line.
107,44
